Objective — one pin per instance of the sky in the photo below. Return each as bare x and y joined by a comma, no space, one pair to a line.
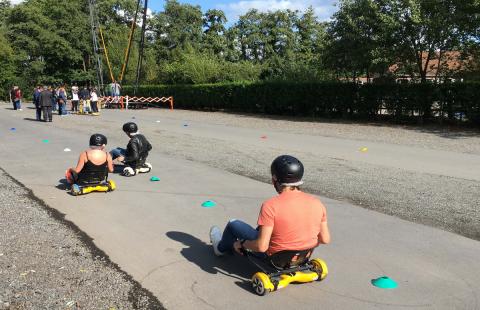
324,9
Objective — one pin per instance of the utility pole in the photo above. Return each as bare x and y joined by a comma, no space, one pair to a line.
142,45
96,48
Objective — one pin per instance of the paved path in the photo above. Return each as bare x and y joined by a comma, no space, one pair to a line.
158,232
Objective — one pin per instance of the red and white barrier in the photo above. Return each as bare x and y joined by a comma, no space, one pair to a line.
123,102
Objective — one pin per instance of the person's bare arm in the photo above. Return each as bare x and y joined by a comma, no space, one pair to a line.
324,235
261,244
109,163
81,162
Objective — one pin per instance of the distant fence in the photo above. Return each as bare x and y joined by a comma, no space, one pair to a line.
131,102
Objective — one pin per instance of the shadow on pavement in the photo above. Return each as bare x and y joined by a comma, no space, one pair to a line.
201,254
31,119
63,184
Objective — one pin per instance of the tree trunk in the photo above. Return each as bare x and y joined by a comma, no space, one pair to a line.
440,55
425,68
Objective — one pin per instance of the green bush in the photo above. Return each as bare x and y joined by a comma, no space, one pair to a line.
403,102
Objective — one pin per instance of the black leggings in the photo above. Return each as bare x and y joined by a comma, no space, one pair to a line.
94,106
75,105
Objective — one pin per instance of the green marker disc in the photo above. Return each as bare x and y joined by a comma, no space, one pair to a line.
45,141
153,179
385,283
209,204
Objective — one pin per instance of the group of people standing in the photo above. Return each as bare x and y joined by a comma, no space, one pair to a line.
48,100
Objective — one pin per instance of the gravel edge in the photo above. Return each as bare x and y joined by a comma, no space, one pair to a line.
137,293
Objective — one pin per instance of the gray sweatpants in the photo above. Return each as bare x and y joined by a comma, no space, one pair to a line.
47,111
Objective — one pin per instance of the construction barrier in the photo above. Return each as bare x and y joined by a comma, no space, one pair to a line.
127,102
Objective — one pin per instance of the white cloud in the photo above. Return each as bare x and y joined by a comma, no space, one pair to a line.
324,9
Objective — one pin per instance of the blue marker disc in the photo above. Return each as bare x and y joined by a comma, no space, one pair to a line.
385,283
209,204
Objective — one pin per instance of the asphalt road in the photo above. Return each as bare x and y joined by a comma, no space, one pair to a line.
158,232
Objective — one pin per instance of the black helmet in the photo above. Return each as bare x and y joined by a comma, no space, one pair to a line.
130,127
98,140
287,170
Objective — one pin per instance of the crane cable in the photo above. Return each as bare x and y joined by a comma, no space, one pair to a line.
130,39
127,51
142,46
105,51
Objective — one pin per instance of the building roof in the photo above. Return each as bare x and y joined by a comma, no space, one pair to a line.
452,62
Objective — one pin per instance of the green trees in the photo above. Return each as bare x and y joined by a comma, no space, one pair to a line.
214,39
179,26
355,38
7,67
423,30
367,36
50,41
46,41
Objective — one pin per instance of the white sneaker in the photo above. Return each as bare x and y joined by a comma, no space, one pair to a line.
20,110
215,237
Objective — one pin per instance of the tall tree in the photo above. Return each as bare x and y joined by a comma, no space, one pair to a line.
310,33
48,43
424,30
250,36
7,65
177,27
5,5
277,27
214,39
356,39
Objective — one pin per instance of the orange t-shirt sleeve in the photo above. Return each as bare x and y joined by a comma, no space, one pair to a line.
267,215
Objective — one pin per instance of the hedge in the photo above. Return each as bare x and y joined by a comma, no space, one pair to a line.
457,102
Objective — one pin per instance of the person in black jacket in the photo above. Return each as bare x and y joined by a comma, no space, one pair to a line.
12,97
46,103
36,102
84,96
135,155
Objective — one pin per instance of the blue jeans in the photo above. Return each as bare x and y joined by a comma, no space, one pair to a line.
118,152
18,104
236,230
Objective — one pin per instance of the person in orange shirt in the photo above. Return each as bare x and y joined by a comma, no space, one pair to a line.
293,220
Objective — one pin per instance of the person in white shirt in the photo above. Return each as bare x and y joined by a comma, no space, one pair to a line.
94,100
75,98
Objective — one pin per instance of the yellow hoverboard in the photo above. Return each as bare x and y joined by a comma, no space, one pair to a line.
106,186
283,268
76,189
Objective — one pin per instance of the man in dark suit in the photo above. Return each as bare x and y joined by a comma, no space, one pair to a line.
46,103
36,102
